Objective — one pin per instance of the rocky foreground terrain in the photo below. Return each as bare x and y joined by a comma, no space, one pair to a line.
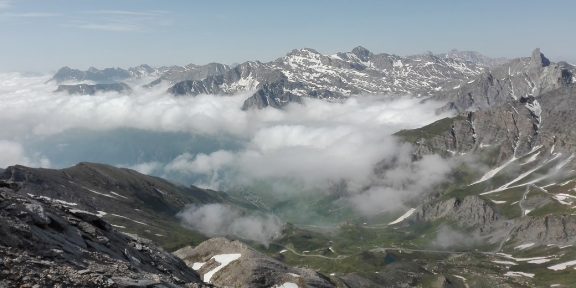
46,243
55,232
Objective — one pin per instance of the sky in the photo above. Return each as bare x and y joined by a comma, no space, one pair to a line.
44,35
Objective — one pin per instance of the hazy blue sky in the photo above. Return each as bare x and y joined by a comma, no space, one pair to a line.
42,35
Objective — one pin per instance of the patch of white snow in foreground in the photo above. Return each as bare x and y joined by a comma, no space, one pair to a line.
198,265
127,218
539,261
518,273
53,200
461,277
287,285
100,193
403,217
562,266
224,260
112,192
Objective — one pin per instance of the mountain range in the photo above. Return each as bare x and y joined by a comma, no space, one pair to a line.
511,225
302,73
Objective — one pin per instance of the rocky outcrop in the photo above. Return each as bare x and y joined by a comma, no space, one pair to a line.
549,229
244,77
134,202
271,95
512,129
469,212
51,245
91,89
509,82
249,269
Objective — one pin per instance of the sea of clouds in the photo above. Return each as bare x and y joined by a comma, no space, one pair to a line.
209,141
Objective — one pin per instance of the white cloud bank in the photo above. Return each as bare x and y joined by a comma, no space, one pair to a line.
316,144
223,220
12,153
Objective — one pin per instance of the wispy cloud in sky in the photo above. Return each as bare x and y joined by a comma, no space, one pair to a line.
121,20
31,15
4,4
113,27
128,13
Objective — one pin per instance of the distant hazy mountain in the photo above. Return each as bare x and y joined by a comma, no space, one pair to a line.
474,57
88,89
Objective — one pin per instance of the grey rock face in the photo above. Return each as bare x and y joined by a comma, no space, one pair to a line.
509,82
271,95
471,211
88,89
549,229
50,245
514,129
252,269
135,202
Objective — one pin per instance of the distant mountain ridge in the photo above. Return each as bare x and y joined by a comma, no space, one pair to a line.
301,73
455,76
474,57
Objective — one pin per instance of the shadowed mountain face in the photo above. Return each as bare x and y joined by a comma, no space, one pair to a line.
132,201
49,243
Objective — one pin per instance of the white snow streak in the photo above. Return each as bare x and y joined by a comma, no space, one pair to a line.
403,217
224,260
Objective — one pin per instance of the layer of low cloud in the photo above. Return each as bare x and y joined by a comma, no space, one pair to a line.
122,20
405,179
12,153
223,220
450,238
313,145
